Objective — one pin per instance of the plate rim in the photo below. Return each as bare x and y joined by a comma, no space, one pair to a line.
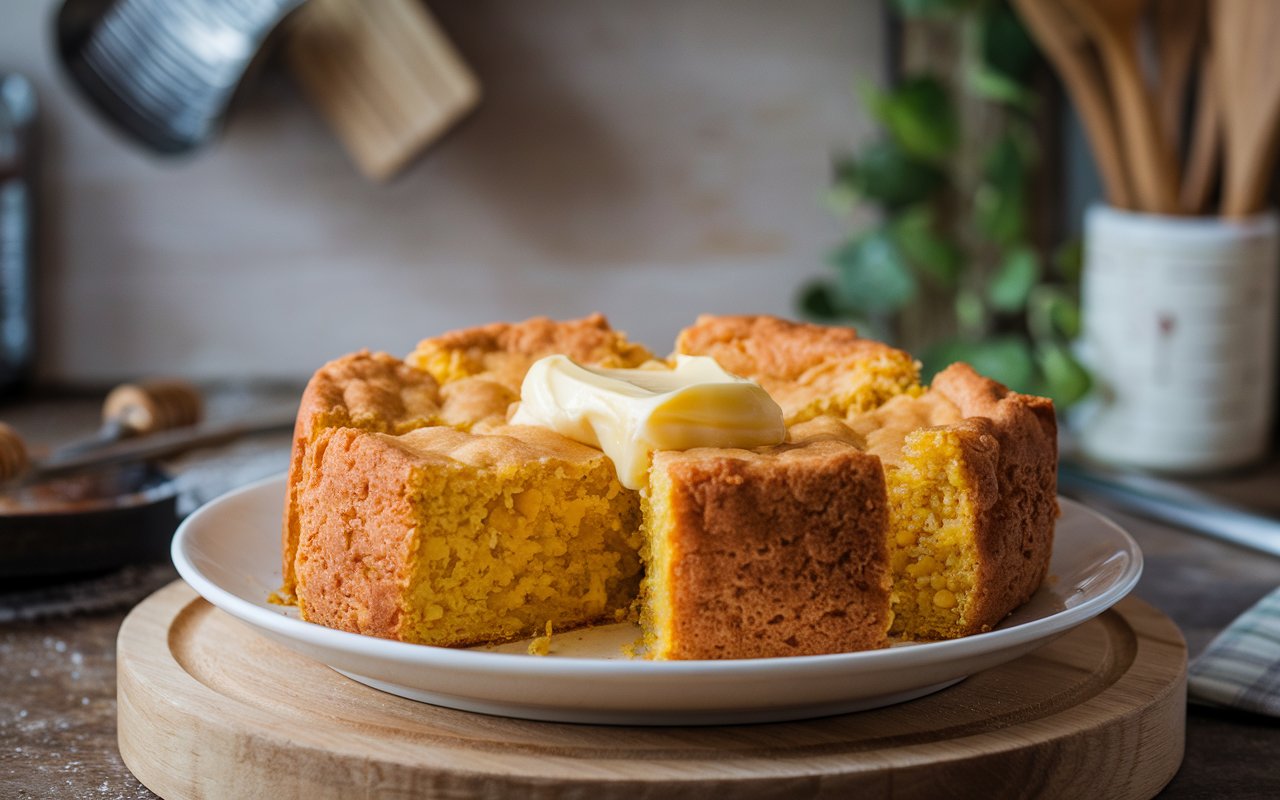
481,662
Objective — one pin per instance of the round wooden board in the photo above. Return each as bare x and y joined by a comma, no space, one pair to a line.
208,708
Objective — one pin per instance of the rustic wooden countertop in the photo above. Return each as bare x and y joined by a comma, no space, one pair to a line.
58,707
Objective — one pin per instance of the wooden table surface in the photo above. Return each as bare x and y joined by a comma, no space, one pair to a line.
58,708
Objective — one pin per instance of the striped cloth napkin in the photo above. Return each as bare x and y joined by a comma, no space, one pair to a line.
1241,667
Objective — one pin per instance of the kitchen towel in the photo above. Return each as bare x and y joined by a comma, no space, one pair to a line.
1241,667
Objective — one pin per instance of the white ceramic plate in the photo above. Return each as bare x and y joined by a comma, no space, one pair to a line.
229,552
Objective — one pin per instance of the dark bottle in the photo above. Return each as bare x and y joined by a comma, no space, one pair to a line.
17,232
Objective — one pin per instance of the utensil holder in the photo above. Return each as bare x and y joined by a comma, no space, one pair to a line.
1179,329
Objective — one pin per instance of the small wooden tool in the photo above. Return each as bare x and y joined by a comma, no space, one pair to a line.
382,73
1065,43
1247,65
137,409
1113,26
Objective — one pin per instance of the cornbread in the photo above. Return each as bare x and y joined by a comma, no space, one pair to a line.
449,538
417,512
503,352
774,552
809,370
364,390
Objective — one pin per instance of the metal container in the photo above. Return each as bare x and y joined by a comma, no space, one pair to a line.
17,232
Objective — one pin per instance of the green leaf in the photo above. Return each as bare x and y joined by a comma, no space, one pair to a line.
1013,281
818,302
1052,313
1066,381
1007,163
1068,259
873,276
971,313
884,173
916,236
919,116
999,88
930,8
1001,215
1007,359
1004,46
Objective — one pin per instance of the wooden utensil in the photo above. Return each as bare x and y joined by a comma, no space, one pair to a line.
137,409
1113,26
1067,46
1206,142
1178,26
17,468
1245,35
382,73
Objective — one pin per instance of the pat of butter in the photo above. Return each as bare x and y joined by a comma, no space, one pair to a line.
629,413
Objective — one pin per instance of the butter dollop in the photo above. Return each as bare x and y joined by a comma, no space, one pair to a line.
629,413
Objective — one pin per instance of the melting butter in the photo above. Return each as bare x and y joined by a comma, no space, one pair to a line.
629,413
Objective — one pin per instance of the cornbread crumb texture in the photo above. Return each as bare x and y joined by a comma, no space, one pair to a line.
771,553
372,391
972,509
503,351
809,370
448,538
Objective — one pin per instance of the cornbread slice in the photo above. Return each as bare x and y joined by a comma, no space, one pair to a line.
971,475
449,538
503,351
372,391
774,552
809,370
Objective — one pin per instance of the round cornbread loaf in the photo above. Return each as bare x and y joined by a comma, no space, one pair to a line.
892,511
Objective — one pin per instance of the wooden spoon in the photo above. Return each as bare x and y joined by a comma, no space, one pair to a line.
1067,47
1113,26
1178,25
1245,35
1206,142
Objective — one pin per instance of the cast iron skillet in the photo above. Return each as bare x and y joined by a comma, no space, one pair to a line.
88,523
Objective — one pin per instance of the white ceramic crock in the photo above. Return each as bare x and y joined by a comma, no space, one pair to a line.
1179,330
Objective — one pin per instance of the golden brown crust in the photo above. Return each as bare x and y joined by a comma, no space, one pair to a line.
503,351
350,576
782,552
809,370
373,391
769,347
1011,454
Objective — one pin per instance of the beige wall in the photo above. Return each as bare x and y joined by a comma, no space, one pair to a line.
648,159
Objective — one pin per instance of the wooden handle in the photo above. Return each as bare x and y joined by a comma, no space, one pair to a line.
1247,64
1064,45
151,406
1206,144
14,459
1150,162
1178,27
383,74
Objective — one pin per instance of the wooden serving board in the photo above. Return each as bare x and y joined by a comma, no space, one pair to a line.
208,708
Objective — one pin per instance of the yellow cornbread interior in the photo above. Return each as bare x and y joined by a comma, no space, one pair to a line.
931,536
845,387
511,551
657,611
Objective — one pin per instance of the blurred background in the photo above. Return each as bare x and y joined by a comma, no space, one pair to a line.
1071,195
651,161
